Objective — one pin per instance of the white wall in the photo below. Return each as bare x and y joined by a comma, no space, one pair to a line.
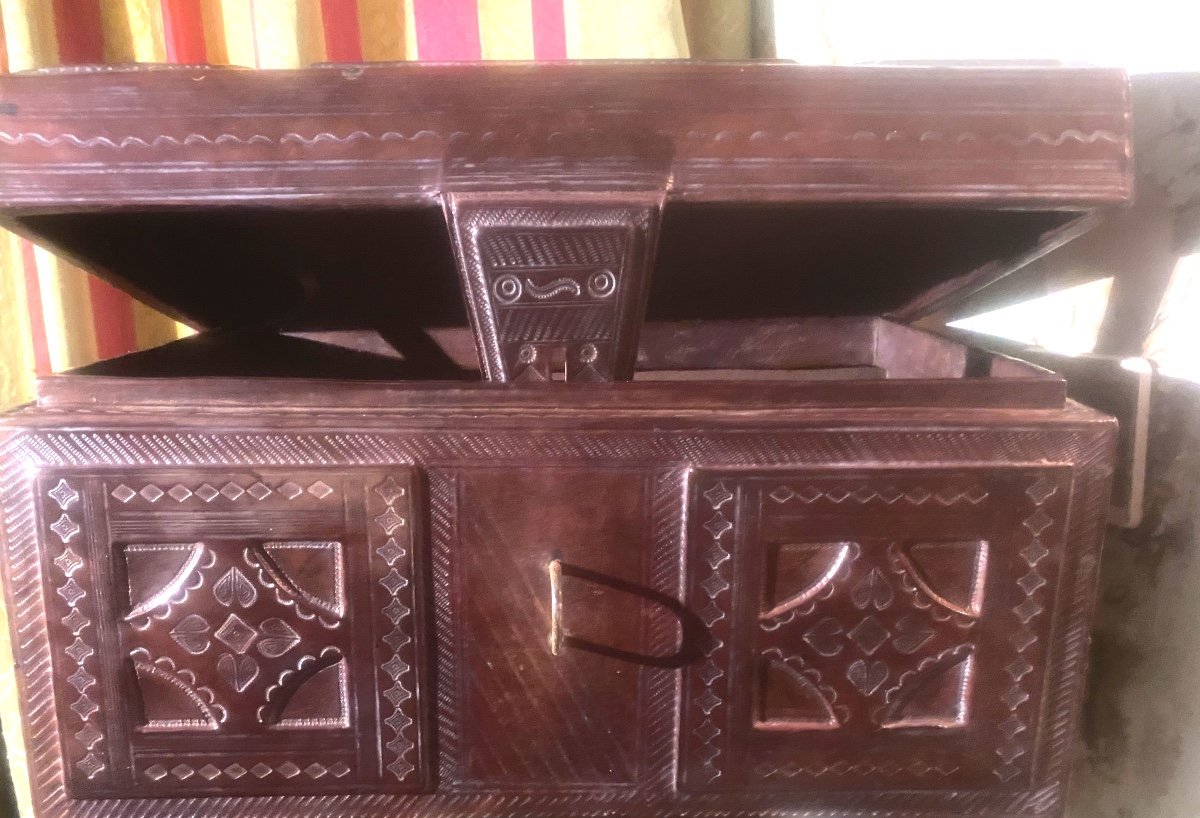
1146,36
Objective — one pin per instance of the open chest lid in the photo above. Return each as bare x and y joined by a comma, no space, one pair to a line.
340,197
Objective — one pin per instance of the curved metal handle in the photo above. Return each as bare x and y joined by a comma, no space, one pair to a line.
693,631
556,619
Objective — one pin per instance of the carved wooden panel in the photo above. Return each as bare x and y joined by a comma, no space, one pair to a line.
871,630
629,509
556,284
519,708
226,632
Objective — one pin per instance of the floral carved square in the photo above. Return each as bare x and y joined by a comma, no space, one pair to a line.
241,662
889,629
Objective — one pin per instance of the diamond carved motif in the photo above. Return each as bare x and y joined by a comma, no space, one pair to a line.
152,493
76,621
259,491
63,495
718,495
71,592
68,562
79,651
123,493
391,551
89,736
395,611
81,680
869,635
65,528
393,582
389,521
718,526
236,634
91,765
84,707
390,490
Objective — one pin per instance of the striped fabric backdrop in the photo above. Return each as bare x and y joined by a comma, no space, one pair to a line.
53,316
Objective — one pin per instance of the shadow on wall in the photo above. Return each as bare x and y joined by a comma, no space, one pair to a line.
1142,714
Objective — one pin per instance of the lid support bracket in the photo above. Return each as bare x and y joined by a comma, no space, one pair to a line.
555,283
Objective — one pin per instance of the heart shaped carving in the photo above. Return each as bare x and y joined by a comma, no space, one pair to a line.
235,587
873,589
238,671
826,637
912,633
867,677
192,634
277,638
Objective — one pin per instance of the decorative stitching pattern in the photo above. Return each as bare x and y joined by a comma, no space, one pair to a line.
842,769
231,491
396,673
82,649
1017,698
235,771
716,588
891,495
1067,136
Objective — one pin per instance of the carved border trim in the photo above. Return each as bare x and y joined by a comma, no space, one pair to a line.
397,674
71,595
709,138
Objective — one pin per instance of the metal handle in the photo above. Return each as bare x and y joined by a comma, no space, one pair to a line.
556,619
692,628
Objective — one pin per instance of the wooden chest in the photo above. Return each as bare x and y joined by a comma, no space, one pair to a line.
690,521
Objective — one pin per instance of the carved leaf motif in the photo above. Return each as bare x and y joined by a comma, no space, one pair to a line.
826,637
912,633
277,638
873,589
234,587
238,671
192,634
867,676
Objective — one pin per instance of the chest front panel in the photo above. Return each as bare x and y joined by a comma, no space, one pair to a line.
669,624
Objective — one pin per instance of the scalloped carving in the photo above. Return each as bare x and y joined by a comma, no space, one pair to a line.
936,694
951,575
792,698
161,576
799,573
291,703
171,698
308,576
